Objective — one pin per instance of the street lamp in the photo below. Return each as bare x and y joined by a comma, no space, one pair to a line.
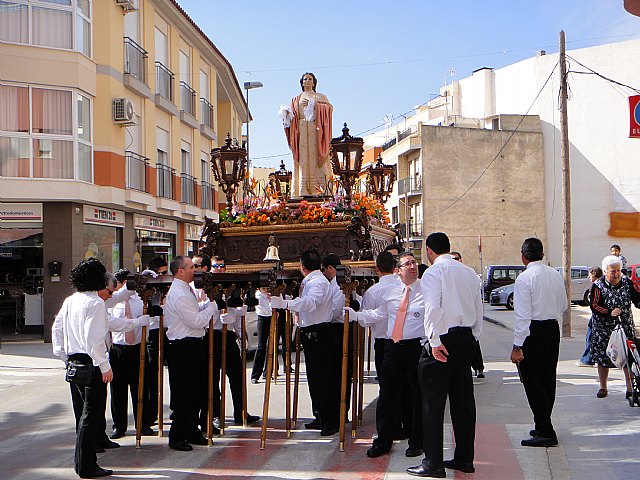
229,164
248,86
380,180
346,160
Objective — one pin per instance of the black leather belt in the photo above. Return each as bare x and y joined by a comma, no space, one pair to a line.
458,329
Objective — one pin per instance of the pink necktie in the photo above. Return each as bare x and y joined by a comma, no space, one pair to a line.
398,326
129,337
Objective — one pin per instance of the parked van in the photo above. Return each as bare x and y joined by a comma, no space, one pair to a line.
494,276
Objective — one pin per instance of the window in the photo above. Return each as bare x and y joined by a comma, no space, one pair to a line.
204,167
52,139
47,23
185,152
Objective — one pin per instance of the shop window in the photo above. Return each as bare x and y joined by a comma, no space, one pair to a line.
103,243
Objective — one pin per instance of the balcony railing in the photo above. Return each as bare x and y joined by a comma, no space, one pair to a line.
206,113
187,99
416,229
407,132
165,180
136,171
164,81
207,195
410,185
389,143
135,60
187,189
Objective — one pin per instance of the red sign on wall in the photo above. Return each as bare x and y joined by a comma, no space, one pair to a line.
634,116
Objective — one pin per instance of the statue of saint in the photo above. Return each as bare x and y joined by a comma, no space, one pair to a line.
307,122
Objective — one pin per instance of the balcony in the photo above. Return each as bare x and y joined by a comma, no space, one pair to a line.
389,143
187,99
165,180
207,120
206,190
136,171
164,82
135,60
407,133
410,186
415,229
187,189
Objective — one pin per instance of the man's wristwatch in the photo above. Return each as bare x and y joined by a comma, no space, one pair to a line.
517,348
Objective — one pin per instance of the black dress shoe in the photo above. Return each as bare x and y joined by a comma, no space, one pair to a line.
315,425
421,471
250,419
377,450
480,374
109,444
534,433
466,467
116,434
100,472
198,440
539,442
99,449
329,430
254,380
147,432
181,446
413,452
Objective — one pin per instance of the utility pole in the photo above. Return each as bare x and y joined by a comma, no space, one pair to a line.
566,189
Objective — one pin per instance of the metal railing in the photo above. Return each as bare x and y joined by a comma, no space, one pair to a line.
187,189
416,229
165,180
389,143
207,195
135,60
407,132
206,113
410,185
164,81
136,171
187,99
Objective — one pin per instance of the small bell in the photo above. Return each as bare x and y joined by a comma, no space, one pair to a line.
272,250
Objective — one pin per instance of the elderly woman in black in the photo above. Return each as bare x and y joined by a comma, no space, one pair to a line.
611,298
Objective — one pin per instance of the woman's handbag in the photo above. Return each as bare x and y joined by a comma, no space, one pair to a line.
78,373
617,347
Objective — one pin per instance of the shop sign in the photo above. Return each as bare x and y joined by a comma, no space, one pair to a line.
20,212
103,216
141,222
192,232
634,116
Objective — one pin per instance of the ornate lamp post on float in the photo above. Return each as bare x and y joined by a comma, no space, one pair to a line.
282,181
380,180
229,165
346,161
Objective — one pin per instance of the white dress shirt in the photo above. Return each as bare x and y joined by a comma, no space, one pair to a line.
372,299
388,310
80,327
538,294
451,299
263,308
337,298
184,316
119,324
315,305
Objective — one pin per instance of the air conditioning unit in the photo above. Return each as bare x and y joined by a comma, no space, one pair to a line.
128,5
123,111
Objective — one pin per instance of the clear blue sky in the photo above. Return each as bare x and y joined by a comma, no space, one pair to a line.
380,58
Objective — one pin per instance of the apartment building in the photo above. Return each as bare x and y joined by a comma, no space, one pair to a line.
109,111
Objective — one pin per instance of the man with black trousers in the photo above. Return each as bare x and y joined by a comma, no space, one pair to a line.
403,308
186,322
315,308
539,298
452,324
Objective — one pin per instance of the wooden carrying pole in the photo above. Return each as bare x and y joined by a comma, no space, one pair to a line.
243,347
296,381
267,386
287,374
139,409
566,188
361,334
160,375
369,351
355,372
345,361
223,379
210,386
275,351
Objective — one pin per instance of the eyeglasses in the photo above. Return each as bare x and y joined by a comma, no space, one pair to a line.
111,292
456,258
197,265
408,263
163,272
217,265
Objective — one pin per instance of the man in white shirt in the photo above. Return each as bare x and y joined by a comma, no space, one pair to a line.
402,307
186,323
314,307
452,324
539,298
264,312
78,334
